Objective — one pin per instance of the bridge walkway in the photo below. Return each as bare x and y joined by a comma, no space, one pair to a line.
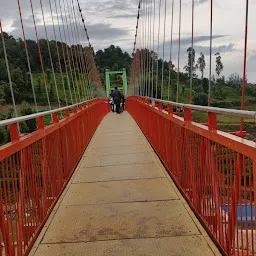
120,201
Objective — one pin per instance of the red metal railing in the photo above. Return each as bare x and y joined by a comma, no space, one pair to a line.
214,170
35,168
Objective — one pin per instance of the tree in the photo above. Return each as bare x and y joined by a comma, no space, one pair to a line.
191,60
235,80
221,80
2,96
29,125
7,92
18,78
113,58
39,89
66,82
51,93
48,75
219,64
201,64
200,98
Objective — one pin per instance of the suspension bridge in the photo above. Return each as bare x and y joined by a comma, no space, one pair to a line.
151,181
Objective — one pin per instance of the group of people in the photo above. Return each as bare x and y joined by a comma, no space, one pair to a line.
117,101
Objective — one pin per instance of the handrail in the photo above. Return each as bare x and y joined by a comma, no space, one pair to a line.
222,111
215,171
44,113
36,167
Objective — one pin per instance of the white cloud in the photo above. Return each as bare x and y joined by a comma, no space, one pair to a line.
114,21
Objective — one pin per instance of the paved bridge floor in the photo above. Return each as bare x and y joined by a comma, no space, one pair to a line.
120,201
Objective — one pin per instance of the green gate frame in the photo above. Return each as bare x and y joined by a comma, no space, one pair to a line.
108,86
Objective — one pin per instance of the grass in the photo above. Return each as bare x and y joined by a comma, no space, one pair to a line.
225,123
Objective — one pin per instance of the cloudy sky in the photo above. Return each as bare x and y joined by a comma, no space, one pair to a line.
114,21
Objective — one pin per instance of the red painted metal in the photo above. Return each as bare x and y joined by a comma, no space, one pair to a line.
245,63
240,134
214,171
34,170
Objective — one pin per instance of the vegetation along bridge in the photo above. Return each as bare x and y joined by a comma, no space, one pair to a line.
174,174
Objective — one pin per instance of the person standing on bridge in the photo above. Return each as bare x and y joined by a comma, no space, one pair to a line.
111,102
117,96
123,102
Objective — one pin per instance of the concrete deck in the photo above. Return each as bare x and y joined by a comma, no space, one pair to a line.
120,201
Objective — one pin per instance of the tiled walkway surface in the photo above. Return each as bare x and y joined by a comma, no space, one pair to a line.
120,201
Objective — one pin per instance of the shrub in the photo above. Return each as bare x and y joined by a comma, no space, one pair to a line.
2,102
200,99
29,125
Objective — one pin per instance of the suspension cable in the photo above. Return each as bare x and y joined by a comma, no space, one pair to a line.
80,54
133,75
82,58
148,51
8,69
146,47
150,48
66,12
178,73
92,59
245,61
153,57
75,52
75,36
85,29
162,85
27,56
63,53
158,42
141,50
170,67
50,54
192,52
210,71
40,56
58,54
136,55
68,54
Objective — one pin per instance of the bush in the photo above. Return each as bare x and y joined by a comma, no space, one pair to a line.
2,102
220,93
221,104
252,100
205,85
29,125
200,99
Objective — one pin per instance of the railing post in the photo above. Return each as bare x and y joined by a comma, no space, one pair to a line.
67,113
160,105
56,118
40,123
170,109
14,133
212,121
188,115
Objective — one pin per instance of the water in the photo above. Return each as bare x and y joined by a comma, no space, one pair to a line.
242,212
